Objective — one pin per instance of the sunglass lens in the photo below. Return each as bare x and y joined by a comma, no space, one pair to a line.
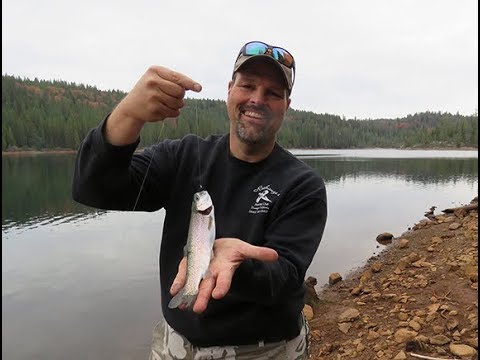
255,48
283,56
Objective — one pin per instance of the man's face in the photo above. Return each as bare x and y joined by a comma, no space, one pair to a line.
257,102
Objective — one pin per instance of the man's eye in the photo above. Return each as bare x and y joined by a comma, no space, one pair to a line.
276,94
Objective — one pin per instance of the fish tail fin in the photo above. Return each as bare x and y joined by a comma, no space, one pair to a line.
182,299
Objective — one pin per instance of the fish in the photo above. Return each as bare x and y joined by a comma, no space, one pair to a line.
199,248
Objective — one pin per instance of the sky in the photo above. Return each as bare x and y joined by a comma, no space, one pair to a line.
363,59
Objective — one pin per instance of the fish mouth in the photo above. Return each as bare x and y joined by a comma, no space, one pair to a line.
206,211
202,201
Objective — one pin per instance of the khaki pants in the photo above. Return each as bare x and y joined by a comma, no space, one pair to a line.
167,344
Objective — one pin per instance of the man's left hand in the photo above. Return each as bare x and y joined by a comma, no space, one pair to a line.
228,254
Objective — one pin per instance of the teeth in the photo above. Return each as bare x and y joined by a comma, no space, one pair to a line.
253,114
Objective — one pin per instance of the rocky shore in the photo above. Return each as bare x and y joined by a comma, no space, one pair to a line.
417,299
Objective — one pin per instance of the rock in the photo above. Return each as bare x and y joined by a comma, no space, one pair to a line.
384,238
434,308
422,338
438,329
462,350
467,259
356,291
436,240
349,315
334,278
311,281
311,297
428,293
400,356
473,342
454,226
403,263
453,266
376,266
403,335
457,336
373,335
403,243
391,296
452,324
431,317
316,335
413,257
344,327
439,340
366,275
308,312
360,347
471,271
415,325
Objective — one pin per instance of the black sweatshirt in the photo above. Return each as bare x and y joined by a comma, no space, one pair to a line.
279,202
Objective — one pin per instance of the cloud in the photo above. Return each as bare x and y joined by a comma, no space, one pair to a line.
364,59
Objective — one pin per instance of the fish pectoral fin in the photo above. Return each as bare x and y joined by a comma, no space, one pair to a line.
211,223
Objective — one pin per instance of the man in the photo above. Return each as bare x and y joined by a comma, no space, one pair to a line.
270,208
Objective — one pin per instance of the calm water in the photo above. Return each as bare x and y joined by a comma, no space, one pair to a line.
80,283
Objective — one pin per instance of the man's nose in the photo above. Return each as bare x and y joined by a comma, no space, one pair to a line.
258,97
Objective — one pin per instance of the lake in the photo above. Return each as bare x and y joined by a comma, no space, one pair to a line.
80,283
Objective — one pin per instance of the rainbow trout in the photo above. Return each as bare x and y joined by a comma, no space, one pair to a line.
201,236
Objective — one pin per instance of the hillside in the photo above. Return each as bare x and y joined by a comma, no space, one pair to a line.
39,114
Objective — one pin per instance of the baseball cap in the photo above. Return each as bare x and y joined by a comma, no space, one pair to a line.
281,57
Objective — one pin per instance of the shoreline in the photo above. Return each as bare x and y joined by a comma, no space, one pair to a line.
418,296
38,152
70,151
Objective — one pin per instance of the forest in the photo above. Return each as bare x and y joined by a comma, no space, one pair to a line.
53,114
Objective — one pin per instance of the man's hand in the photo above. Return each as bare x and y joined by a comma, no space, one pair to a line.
228,254
159,94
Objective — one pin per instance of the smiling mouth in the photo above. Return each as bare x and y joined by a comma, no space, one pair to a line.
253,116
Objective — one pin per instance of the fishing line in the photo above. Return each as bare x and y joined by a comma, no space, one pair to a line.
198,147
148,168
151,158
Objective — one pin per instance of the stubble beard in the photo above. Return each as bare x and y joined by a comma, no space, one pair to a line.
251,136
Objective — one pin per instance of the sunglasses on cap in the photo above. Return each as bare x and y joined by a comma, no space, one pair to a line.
260,48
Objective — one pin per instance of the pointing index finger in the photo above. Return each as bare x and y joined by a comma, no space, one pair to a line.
179,79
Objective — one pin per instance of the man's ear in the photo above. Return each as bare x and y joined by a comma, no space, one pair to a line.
230,85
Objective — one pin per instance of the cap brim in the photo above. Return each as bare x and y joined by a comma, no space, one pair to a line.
286,72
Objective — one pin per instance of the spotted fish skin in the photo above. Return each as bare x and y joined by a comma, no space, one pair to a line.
201,236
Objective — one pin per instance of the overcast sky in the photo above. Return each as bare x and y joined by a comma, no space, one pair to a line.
355,58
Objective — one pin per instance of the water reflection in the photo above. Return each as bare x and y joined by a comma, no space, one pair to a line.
37,189
423,171
98,269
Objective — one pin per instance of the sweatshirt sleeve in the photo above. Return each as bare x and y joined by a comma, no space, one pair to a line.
295,234
114,178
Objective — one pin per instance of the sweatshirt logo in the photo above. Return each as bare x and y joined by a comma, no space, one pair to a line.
264,198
